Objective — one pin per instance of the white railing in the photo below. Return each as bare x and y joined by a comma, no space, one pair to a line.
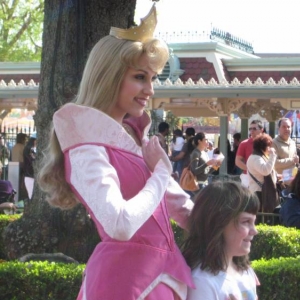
191,36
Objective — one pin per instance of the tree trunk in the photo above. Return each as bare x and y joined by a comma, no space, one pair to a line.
71,28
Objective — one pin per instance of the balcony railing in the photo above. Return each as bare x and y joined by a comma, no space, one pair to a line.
190,36
194,36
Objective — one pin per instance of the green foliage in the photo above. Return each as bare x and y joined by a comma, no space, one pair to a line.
49,281
178,233
52,281
172,120
275,242
279,278
39,280
5,220
21,25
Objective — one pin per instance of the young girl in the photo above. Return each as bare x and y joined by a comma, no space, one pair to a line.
221,230
99,156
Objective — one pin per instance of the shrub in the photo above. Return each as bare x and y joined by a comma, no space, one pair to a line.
275,242
51,281
5,220
270,242
39,280
279,278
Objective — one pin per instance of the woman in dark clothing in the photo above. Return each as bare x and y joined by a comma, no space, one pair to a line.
29,157
186,151
187,148
201,165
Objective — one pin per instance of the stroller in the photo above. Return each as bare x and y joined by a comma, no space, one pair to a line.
7,193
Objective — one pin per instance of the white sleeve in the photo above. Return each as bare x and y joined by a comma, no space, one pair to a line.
96,181
179,203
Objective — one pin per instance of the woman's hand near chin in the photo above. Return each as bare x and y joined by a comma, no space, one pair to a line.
153,153
272,151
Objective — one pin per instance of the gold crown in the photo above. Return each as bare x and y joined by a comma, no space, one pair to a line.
138,33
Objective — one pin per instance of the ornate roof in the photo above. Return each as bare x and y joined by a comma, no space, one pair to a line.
196,70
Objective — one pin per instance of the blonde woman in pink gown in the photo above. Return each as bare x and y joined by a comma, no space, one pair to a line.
105,161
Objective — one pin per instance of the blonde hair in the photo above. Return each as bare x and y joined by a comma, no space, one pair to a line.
99,88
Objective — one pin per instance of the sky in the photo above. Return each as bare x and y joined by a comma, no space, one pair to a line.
271,26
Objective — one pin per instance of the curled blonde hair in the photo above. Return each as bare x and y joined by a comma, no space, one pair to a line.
106,67
51,177
99,88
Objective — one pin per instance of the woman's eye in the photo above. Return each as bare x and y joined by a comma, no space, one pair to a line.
140,77
154,78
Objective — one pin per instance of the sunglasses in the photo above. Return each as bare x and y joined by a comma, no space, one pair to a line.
252,128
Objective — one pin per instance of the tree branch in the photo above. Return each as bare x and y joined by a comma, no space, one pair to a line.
20,32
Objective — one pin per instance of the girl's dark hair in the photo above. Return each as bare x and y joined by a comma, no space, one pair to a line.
295,185
199,137
216,205
261,142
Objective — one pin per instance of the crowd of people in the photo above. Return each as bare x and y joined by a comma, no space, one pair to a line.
266,165
23,152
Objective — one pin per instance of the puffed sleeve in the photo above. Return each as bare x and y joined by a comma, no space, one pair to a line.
179,203
96,182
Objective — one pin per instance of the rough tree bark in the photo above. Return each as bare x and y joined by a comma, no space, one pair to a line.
71,28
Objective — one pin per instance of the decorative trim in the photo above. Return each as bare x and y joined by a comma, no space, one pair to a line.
18,90
20,84
179,83
222,106
224,83
211,88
